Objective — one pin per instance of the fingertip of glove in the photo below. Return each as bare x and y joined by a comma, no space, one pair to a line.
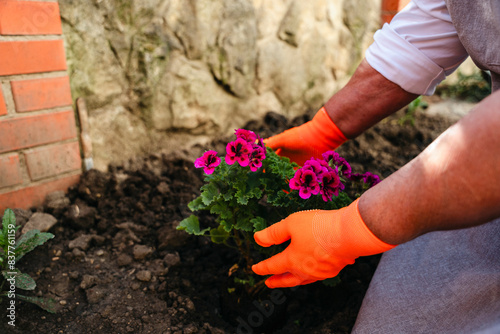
269,284
258,239
256,268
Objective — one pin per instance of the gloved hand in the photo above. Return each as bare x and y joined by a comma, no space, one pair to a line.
322,243
308,140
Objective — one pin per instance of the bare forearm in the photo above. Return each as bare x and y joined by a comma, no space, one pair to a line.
454,183
365,100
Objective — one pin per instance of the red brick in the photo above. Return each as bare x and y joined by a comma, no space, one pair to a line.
52,160
3,107
29,18
39,94
22,57
10,171
34,195
28,131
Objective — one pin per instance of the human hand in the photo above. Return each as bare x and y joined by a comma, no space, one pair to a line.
322,243
308,140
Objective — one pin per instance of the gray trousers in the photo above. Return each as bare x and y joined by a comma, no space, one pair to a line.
441,282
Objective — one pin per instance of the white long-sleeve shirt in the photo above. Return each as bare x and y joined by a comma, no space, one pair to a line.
419,48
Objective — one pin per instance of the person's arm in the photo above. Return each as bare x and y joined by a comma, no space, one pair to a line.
454,183
408,58
367,98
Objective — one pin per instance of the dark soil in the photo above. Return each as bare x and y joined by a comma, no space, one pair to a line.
118,265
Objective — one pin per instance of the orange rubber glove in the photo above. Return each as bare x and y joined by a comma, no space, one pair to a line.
308,140
322,243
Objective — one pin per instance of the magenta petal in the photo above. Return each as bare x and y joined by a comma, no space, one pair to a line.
208,170
243,160
304,193
230,159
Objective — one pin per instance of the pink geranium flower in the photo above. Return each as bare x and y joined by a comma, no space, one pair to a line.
330,185
258,154
246,135
306,182
371,179
334,159
208,161
238,151
317,166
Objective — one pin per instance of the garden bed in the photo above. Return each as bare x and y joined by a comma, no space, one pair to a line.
118,265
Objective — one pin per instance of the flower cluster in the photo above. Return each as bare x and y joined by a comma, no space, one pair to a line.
248,150
320,176
325,176
368,178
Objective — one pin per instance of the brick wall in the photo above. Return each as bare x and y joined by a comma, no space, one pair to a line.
39,149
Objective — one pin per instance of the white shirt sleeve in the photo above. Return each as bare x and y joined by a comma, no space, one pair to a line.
419,48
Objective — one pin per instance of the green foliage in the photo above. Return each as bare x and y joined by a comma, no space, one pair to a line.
11,252
471,88
192,226
409,116
29,241
241,199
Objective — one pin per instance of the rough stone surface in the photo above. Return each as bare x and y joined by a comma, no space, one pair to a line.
56,201
40,221
150,68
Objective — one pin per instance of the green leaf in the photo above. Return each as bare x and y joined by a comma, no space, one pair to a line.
244,225
22,280
47,304
209,194
196,204
222,210
228,196
192,226
219,235
259,223
226,224
29,241
8,218
241,198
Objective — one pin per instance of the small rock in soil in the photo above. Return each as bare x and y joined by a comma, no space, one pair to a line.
95,294
74,275
133,227
124,260
172,259
190,329
88,281
40,221
22,216
57,201
143,275
158,268
141,252
80,215
77,253
82,242
124,238
163,188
